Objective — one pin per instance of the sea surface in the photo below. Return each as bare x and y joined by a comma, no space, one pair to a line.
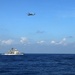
37,64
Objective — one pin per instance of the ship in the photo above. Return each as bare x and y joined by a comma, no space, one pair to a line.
13,51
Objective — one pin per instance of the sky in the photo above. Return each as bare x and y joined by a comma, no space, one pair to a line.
50,30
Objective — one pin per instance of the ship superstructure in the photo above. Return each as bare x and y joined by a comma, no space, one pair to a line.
13,51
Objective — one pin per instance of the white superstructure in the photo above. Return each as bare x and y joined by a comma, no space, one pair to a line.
13,51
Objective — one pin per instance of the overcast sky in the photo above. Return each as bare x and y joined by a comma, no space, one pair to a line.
50,30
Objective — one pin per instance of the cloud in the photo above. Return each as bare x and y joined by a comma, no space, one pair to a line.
41,42
63,42
70,37
23,40
40,32
53,42
7,42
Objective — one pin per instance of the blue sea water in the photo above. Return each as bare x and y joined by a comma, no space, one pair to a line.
38,64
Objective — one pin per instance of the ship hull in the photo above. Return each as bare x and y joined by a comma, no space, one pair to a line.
13,54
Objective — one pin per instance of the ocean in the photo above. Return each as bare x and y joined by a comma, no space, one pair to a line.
38,64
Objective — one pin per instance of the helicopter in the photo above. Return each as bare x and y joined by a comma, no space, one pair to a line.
31,14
